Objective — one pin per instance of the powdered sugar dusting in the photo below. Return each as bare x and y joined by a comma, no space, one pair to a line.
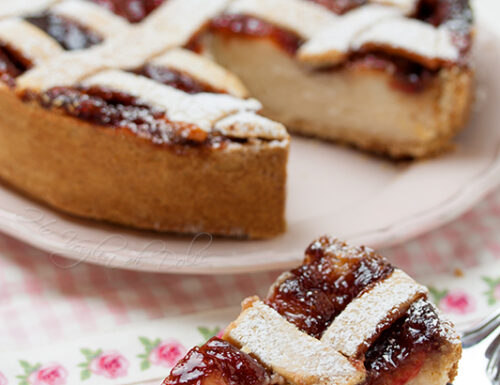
303,17
406,6
171,25
297,357
92,16
203,69
360,321
202,109
250,125
333,43
384,28
413,36
445,327
34,44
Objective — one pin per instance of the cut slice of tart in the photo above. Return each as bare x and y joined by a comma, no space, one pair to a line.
117,122
390,77
345,316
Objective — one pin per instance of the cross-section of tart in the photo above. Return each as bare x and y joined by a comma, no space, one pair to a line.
344,317
105,115
388,76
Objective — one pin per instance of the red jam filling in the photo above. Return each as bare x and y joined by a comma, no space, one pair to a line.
122,111
217,362
133,10
325,284
176,79
407,76
310,298
253,27
399,353
340,6
68,33
12,64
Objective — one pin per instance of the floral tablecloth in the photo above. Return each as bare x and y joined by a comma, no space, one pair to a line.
65,324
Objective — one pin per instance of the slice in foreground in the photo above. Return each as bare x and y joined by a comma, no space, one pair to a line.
344,317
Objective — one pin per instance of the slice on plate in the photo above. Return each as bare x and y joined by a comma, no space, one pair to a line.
115,121
345,316
390,77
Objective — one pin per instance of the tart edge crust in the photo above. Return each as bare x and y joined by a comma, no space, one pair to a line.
112,175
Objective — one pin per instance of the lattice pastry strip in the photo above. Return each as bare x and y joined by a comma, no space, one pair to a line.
92,16
333,43
35,45
202,69
406,6
303,17
171,25
202,109
415,39
294,355
249,125
375,309
330,38
23,7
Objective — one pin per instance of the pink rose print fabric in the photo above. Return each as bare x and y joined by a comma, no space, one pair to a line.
457,302
50,374
110,365
3,379
167,353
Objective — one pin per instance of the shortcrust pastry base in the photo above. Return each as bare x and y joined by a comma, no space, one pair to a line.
113,175
355,106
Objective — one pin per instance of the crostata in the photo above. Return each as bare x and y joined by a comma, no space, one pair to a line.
345,317
116,110
114,120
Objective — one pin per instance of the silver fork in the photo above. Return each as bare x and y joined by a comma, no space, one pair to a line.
480,363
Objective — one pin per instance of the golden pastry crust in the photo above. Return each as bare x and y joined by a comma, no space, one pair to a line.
113,175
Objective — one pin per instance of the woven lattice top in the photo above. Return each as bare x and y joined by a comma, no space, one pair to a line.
121,47
83,43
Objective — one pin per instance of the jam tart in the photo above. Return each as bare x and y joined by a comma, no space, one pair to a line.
344,317
106,115
111,112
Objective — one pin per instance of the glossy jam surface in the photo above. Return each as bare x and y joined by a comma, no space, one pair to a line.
121,111
405,345
316,292
133,10
253,27
340,6
176,79
12,64
68,33
217,362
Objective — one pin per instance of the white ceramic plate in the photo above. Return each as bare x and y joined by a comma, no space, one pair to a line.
331,190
